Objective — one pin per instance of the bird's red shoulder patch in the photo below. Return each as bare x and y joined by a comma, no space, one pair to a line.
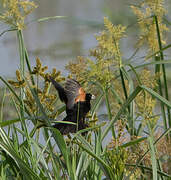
81,96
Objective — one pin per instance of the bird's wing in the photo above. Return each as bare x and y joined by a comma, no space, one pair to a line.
74,92
60,89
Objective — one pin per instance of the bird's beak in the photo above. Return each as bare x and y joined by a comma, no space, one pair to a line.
93,97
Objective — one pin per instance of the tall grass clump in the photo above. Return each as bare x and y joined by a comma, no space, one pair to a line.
132,141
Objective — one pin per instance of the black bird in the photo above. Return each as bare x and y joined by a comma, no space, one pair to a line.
77,105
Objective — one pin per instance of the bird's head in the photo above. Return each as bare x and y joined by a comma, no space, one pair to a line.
89,97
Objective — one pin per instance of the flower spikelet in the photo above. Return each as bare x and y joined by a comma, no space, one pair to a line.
144,101
145,13
41,88
78,68
104,58
38,69
116,159
14,12
108,41
20,83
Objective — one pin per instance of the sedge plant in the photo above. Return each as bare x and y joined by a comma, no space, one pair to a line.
135,149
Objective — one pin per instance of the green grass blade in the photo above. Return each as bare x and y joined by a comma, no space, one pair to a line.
133,142
63,148
143,156
41,159
105,166
116,96
15,95
10,88
163,68
6,145
83,163
161,50
8,30
159,88
90,129
83,141
45,117
153,156
50,18
122,109
148,64
2,105
157,96
27,172
150,169
28,66
97,103
109,110
10,122
123,83
130,118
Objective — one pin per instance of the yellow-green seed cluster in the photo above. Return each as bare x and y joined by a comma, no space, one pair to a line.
14,12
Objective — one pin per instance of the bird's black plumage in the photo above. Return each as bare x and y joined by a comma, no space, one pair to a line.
60,89
77,105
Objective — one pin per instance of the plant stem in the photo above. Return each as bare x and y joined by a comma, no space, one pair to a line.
163,69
